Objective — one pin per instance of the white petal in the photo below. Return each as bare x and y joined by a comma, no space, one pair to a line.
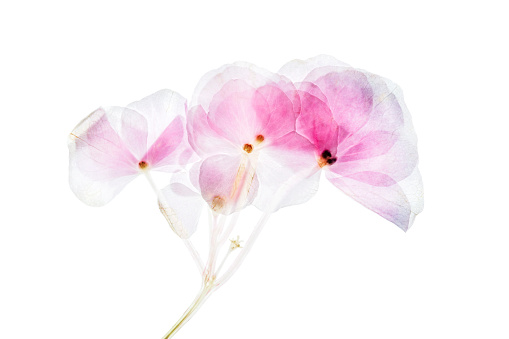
181,208
101,159
288,173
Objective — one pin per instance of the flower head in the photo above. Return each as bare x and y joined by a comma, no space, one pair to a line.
362,134
113,145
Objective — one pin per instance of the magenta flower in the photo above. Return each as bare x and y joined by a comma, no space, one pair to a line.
113,145
243,126
362,134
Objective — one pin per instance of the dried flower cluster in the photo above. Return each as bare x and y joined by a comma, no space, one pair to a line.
252,137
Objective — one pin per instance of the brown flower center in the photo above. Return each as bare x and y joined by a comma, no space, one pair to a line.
142,165
248,148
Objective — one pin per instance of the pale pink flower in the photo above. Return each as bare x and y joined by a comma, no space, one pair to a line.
113,145
243,125
363,136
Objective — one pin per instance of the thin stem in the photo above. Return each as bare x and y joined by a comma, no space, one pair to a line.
230,250
228,231
157,191
188,314
216,224
245,250
194,254
276,199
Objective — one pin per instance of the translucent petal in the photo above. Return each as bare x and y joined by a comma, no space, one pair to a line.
163,152
386,143
371,145
181,208
297,70
275,107
240,113
397,202
315,122
165,112
232,113
101,162
160,109
212,82
204,139
377,164
227,183
349,96
287,171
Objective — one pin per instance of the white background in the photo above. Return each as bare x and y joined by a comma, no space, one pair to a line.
327,269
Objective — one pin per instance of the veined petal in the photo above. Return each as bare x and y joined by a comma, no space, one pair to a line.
386,143
212,82
203,139
349,95
181,208
241,113
315,122
386,198
276,111
232,114
373,144
95,192
100,161
228,183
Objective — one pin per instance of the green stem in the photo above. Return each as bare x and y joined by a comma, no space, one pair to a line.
198,301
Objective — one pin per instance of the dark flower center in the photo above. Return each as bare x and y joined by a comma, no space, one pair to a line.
327,157
142,165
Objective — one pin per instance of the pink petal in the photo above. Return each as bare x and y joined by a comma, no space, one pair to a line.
316,123
101,163
232,114
349,96
227,183
386,144
162,152
373,144
275,109
240,113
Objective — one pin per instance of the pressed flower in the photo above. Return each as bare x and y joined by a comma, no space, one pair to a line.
259,138
113,145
